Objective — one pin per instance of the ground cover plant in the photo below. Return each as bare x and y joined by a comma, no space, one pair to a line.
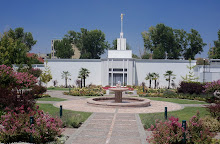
70,118
50,99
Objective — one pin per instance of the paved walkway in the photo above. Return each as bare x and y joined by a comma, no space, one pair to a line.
114,126
110,128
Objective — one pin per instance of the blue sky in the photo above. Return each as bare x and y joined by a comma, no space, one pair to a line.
52,19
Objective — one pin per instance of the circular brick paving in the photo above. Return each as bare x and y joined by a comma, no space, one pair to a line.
82,105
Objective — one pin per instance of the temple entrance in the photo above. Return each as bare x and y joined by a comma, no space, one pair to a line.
118,77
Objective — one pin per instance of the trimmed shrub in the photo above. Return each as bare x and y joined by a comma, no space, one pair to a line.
211,123
191,87
16,126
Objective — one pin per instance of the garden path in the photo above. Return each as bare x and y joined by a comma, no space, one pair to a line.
108,128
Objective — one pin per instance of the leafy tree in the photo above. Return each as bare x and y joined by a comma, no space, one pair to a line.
191,76
46,75
63,48
214,52
169,76
135,56
155,78
24,37
149,77
92,44
195,45
146,56
162,39
83,74
65,75
14,46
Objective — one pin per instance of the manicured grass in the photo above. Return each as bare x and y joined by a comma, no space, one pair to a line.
50,99
70,118
184,114
175,100
58,88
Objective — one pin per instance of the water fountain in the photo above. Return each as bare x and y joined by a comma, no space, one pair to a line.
118,100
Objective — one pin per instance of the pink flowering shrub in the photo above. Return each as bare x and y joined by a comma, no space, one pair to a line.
197,132
10,78
168,132
171,132
211,87
16,126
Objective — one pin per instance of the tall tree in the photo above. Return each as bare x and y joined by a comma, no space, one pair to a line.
195,45
63,49
92,44
149,77
24,37
12,51
83,74
169,76
164,41
65,75
14,46
214,52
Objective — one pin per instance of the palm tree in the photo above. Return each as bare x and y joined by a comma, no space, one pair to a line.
65,75
83,74
169,76
155,78
149,77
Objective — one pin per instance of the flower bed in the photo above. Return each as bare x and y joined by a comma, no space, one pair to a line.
87,91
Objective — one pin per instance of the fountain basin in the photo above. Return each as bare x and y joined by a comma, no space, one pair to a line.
126,102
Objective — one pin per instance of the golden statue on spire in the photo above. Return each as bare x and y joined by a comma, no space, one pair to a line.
122,16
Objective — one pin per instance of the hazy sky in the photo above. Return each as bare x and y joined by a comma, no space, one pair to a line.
51,19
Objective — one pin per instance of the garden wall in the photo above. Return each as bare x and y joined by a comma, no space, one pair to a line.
73,66
143,67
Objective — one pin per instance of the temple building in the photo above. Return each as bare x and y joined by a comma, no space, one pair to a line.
120,66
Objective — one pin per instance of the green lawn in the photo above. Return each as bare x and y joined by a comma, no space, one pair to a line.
69,118
50,99
58,88
184,114
175,100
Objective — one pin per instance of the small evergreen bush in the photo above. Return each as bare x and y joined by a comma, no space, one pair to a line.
191,87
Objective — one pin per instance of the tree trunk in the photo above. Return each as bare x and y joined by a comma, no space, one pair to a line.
150,84
81,83
155,84
66,82
169,83
84,81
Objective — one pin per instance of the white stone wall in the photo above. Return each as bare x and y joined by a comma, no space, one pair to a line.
73,66
137,70
143,67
